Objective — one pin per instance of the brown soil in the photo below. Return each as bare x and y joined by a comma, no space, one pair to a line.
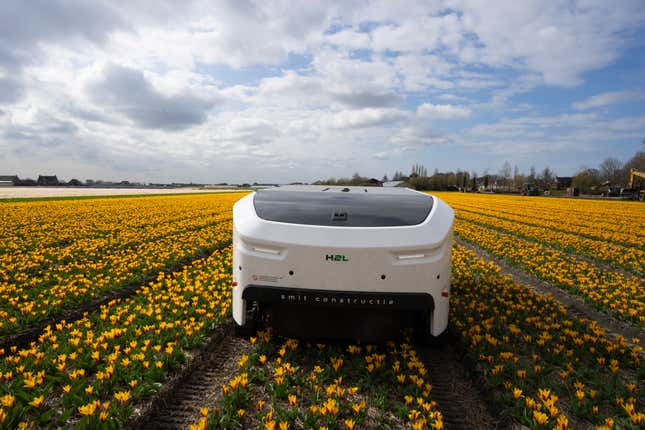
198,385
460,400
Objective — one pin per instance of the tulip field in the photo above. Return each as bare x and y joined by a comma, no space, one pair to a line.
594,249
536,364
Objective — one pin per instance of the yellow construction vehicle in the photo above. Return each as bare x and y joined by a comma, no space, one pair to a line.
637,184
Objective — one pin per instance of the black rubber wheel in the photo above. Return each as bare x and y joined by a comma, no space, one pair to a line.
425,338
250,326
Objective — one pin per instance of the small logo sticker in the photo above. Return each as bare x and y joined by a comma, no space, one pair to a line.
336,257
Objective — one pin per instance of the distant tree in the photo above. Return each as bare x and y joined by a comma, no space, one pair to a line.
636,162
532,176
461,179
517,180
418,170
611,171
547,178
587,180
421,183
384,179
505,173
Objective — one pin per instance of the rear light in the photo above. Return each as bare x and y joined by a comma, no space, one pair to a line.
410,256
266,250
234,284
445,293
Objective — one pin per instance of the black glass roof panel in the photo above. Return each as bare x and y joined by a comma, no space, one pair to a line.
343,207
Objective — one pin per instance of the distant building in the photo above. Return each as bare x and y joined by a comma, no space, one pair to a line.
375,182
9,180
47,180
563,182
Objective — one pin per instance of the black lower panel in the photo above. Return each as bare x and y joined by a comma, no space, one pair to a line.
348,315
320,323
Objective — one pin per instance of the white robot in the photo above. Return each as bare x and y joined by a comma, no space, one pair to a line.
335,259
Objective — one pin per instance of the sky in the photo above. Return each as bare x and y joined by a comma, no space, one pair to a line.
283,91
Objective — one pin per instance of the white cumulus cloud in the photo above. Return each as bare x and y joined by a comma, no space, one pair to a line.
608,98
440,111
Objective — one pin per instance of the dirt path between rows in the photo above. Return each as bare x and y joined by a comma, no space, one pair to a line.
461,401
198,386
574,304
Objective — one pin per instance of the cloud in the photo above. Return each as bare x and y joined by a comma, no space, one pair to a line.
42,131
367,118
334,79
559,40
357,82
422,71
418,135
432,111
25,26
245,90
11,90
349,39
425,33
604,99
533,135
127,91
365,99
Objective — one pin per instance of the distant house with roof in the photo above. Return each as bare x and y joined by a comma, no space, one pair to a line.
47,180
563,182
9,180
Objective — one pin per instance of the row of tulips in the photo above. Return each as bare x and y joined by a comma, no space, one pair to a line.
619,223
29,297
629,258
550,369
57,224
89,373
610,291
287,384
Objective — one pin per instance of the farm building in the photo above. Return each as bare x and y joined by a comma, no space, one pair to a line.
563,182
9,180
47,180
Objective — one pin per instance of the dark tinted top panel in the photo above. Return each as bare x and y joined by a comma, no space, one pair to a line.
331,206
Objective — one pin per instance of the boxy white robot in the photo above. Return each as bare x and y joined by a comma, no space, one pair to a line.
342,261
